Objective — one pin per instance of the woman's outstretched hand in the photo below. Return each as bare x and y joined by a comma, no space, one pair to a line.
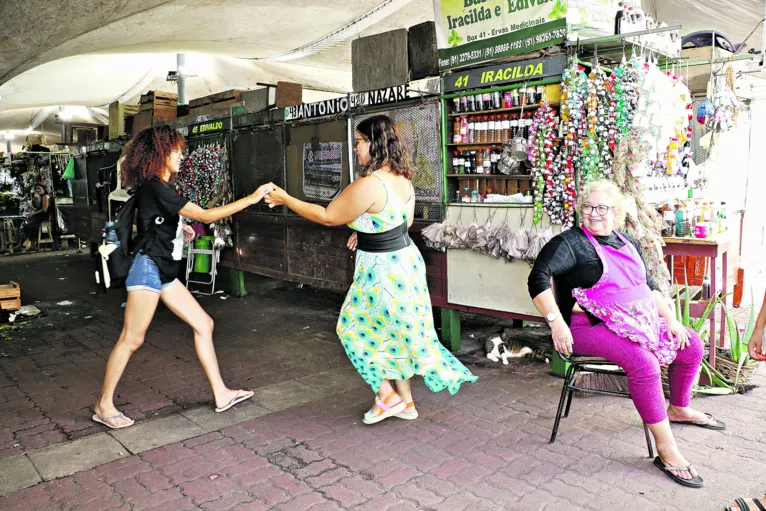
277,196
256,196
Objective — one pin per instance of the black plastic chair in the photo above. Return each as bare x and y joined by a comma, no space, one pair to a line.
591,365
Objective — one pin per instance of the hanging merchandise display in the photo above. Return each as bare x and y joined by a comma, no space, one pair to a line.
500,242
573,92
641,220
204,179
718,113
544,158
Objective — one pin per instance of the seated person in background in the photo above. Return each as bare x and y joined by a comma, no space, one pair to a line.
41,202
607,305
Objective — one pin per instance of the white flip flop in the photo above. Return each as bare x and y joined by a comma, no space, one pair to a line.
105,420
236,400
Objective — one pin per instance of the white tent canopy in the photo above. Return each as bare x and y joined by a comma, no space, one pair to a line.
68,53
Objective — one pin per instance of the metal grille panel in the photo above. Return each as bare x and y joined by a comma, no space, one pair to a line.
257,158
80,181
419,126
324,183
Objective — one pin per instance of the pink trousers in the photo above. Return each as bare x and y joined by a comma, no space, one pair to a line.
641,366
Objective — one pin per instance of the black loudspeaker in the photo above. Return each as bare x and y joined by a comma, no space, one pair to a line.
422,50
379,61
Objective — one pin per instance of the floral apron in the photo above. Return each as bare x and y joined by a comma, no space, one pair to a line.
624,302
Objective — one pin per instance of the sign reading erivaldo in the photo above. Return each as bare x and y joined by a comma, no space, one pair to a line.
474,31
524,70
215,126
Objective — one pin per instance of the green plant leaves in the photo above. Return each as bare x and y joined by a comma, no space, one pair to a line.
454,39
559,11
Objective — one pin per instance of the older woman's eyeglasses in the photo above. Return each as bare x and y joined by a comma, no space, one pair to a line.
601,209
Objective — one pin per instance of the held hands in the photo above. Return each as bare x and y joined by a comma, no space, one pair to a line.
277,196
256,196
678,332
189,233
562,337
755,346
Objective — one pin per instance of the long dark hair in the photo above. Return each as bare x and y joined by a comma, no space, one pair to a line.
146,155
386,147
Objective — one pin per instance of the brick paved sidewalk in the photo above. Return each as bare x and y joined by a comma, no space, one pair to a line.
484,448
51,370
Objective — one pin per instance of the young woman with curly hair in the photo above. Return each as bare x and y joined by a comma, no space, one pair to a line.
385,325
150,161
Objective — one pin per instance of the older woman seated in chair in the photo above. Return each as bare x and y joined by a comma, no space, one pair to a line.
607,305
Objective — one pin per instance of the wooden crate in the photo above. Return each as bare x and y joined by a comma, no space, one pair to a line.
155,99
10,296
227,97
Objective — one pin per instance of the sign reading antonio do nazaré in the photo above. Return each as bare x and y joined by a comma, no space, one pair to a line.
342,105
524,70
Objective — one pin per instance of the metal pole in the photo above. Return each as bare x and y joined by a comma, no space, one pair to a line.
8,146
181,67
63,125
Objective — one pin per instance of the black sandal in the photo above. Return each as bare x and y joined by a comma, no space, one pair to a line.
744,506
711,423
696,482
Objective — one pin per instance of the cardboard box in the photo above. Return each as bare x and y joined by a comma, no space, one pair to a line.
700,75
289,94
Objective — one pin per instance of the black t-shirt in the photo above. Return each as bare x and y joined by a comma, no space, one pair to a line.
159,204
571,259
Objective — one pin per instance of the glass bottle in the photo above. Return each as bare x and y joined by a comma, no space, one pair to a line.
471,130
479,162
479,102
457,130
487,159
507,99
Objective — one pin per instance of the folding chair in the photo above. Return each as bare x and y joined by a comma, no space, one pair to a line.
592,365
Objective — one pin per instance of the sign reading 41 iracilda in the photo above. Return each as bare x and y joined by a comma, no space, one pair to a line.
473,31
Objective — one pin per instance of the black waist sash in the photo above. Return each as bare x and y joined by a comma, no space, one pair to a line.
389,241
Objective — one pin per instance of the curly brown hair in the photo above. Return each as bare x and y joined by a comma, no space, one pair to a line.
386,147
146,155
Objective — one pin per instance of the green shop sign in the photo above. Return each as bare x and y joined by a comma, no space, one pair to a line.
524,70
473,31
205,128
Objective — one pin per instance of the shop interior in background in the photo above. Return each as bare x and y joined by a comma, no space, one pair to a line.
19,175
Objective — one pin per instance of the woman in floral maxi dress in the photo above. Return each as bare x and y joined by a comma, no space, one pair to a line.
386,325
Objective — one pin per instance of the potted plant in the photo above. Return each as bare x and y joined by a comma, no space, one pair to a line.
683,315
735,363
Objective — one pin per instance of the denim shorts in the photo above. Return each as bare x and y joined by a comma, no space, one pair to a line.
144,275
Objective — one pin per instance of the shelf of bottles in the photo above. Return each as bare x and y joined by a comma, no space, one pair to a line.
478,126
